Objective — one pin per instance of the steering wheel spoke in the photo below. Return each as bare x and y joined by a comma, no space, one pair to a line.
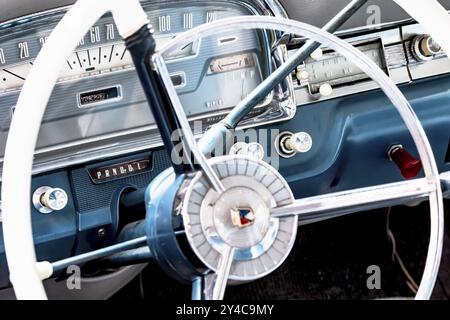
188,139
328,206
216,282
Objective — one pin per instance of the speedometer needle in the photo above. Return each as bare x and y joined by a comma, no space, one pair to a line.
13,74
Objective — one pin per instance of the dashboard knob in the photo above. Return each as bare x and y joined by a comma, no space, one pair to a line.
317,54
325,90
424,47
48,199
302,75
253,150
408,165
300,142
239,148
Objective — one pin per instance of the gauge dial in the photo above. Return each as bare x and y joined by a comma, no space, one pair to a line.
101,50
230,63
89,62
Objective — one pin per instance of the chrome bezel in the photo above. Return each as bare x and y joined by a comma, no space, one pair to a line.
417,51
102,102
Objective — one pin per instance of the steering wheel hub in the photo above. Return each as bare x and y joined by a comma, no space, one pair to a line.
240,217
239,222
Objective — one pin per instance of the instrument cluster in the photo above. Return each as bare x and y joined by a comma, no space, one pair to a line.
98,102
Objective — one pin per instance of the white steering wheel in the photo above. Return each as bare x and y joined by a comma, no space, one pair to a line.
26,274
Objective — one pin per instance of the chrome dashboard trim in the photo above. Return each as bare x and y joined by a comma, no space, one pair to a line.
276,8
395,59
98,103
364,29
422,69
403,67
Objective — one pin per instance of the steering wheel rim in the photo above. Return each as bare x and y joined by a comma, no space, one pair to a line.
26,274
366,65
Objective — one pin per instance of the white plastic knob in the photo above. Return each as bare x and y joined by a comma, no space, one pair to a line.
253,150
317,54
302,75
325,90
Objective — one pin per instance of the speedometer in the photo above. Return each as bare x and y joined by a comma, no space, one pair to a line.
87,62
91,60
233,59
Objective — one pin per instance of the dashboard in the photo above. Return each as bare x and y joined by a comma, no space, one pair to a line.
98,101
98,121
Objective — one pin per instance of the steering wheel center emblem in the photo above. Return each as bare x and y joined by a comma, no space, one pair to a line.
242,217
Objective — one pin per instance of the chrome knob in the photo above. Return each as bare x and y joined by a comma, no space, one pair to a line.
48,199
288,144
424,47
299,142
253,150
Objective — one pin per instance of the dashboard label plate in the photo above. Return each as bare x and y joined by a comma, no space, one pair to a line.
119,170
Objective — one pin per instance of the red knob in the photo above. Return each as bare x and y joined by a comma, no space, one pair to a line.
408,165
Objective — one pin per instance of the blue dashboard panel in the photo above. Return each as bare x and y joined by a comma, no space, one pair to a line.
91,208
54,234
353,134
